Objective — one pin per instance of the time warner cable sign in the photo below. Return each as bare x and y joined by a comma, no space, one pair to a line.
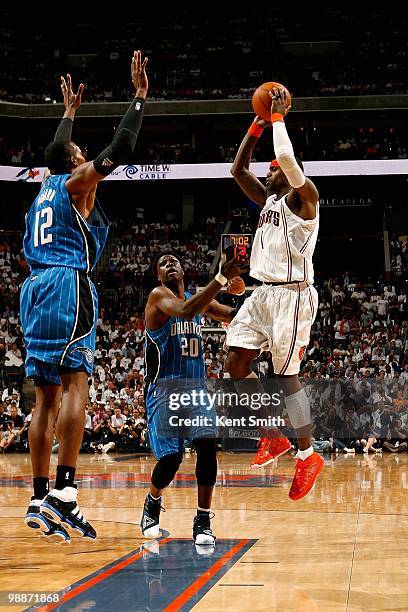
144,172
158,172
154,172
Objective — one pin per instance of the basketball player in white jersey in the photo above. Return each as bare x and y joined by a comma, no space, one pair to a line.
279,314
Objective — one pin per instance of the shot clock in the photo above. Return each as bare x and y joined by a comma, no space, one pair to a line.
236,245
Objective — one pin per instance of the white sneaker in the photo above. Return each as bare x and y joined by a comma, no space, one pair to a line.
60,506
150,521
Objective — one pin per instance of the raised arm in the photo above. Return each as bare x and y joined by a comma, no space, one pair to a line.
85,176
249,183
72,102
304,191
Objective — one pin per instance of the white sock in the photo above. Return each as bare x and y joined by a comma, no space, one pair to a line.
155,498
304,454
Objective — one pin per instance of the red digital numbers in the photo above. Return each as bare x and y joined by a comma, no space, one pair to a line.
240,251
241,240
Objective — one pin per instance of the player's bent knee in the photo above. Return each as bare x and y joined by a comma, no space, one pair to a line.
165,470
290,383
206,465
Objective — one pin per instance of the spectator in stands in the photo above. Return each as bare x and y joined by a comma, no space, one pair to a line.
118,420
13,365
12,429
337,293
105,435
396,441
8,392
129,436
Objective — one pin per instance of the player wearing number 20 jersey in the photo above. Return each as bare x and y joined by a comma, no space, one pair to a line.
175,350
174,363
59,303
177,405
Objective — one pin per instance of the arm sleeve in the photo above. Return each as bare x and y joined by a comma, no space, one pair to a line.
285,155
124,140
64,130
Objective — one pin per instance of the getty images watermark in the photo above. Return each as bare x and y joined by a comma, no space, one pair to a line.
204,409
230,399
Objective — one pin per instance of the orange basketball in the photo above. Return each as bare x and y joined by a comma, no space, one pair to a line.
261,100
236,286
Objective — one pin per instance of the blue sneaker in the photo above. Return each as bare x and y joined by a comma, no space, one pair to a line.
61,506
46,528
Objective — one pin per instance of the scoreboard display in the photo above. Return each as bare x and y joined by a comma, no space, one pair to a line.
236,245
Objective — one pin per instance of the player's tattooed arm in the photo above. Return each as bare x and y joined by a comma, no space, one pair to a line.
249,183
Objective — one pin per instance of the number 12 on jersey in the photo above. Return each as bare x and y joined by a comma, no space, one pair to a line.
43,221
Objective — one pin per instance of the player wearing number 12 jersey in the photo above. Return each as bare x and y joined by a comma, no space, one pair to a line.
59,301
66,231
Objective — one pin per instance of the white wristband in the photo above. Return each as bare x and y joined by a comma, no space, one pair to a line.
220,278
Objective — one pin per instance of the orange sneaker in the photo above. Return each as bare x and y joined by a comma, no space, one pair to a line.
268,450
306,472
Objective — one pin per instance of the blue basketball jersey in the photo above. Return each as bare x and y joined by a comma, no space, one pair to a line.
175,350
56,232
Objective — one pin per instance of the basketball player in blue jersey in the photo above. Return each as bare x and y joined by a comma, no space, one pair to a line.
66,231
174,352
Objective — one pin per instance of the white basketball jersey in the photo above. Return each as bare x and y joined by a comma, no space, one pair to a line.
284,244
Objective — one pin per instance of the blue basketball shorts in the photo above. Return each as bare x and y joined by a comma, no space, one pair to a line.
58,310
170,426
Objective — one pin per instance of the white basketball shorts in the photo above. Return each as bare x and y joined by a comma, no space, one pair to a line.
276,319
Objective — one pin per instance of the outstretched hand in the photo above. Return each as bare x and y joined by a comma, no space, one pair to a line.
279,101
138,74
71,100
234,267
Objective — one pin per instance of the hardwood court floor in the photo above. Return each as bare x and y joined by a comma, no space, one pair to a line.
343,547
